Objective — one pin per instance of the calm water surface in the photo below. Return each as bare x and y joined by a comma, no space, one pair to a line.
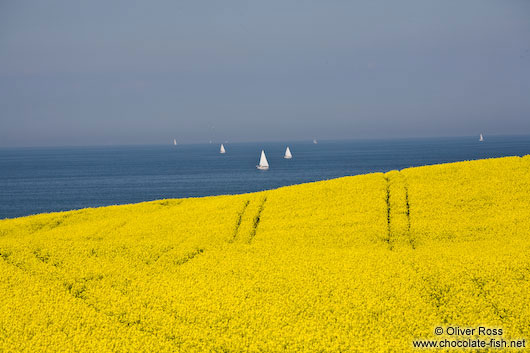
35,180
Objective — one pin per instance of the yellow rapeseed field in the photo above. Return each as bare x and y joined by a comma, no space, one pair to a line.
367,263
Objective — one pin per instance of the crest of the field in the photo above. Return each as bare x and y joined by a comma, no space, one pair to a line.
358,263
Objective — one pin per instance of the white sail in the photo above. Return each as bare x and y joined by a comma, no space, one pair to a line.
174,142
263,164
288,154
222,149
315,141
481,138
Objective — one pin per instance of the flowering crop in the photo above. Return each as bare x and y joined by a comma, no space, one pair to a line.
365,263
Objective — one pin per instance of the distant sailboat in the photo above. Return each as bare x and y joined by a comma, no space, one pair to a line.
174,142
222,149
481,138
263,164
315,141
288,154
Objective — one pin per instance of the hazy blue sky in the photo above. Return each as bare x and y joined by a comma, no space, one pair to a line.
128,72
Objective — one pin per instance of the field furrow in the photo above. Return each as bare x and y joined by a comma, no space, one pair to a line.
365,263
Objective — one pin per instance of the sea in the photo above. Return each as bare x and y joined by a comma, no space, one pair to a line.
36,180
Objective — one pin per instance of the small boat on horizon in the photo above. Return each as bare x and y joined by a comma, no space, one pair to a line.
263,164
288,154
174,142
481,138
315,141
222,149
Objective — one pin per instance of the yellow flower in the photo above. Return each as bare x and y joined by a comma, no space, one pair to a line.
365,263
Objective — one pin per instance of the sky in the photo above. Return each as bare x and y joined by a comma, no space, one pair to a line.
144,72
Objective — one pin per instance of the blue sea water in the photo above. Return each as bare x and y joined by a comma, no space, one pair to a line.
35,180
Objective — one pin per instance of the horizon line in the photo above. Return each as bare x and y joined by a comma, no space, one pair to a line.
308,140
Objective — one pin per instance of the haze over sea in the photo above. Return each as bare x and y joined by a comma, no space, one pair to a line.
36,180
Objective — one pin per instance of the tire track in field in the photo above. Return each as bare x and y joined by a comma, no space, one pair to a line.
398,211
437,290
411,239
435,293
257,220
190,256
388,238
238,222
168,203
77,289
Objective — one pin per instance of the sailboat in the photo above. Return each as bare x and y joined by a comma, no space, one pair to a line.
288,154
174,142
222,149
481,138
315,141
263,164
